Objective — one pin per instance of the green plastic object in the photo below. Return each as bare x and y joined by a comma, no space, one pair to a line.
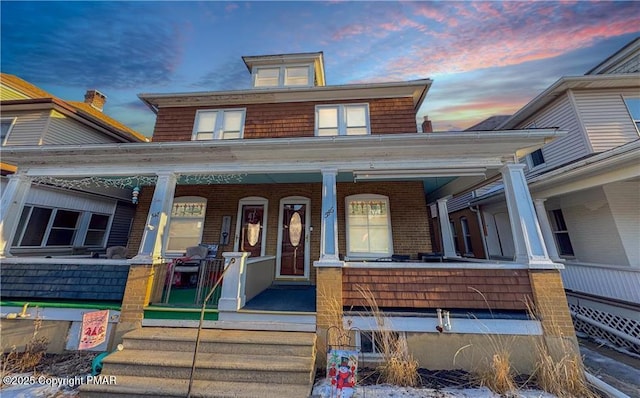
96,364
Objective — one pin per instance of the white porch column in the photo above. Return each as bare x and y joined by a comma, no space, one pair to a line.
159,211
527,237
545,227
329,226
448,245
13,199
232,296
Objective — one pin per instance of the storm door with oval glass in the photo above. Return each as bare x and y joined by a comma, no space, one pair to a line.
293,239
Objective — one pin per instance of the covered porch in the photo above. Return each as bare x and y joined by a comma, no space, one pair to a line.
322,181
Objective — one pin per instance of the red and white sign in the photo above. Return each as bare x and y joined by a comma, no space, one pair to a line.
94,329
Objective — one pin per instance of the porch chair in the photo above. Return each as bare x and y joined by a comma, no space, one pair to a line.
191,263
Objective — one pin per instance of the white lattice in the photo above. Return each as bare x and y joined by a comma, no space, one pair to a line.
624,325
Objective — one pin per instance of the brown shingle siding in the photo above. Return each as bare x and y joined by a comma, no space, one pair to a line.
291,119
443,288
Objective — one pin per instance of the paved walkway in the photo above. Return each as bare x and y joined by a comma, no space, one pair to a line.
617,369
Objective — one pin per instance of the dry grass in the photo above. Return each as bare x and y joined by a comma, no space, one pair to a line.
559,369
498,374
398,366
27,360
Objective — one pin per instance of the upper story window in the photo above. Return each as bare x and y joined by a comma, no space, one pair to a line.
7,125
536,158
219,124
283,76
351,119
633,105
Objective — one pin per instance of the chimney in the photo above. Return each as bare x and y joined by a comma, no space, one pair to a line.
426,125
95,98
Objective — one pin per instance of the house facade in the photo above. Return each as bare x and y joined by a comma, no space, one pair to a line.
586,193
60,221
302,186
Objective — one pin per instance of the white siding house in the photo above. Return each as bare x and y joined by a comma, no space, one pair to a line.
586,190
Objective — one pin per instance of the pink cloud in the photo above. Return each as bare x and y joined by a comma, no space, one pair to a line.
230,7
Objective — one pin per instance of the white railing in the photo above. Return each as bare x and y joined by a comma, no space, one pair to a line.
620,283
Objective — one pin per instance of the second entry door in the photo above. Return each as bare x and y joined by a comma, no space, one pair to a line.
293,245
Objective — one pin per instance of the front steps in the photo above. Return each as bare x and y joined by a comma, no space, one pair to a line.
156,362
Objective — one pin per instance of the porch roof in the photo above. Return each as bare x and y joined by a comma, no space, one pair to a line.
445,149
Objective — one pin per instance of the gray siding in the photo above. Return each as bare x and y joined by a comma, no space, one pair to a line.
121,225
63,130
606,118
28,128
624,202
560,114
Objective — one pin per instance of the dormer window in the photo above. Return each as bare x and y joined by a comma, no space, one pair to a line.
218,124
283,76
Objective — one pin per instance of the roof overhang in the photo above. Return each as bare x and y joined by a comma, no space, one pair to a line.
70,111
619,164
571,83
433,154
415,89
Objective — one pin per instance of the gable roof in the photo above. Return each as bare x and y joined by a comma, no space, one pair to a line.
625,54
82,109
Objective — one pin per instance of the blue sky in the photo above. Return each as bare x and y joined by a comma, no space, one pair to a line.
485,58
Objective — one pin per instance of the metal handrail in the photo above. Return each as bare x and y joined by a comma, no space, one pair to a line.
202,311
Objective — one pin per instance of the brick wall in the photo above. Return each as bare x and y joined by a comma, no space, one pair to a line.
296,119
550,303
438,288
408,212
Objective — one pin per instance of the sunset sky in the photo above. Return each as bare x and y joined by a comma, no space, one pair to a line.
486,58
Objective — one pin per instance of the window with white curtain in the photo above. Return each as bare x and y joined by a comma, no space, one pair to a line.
348,119
368,222
186,223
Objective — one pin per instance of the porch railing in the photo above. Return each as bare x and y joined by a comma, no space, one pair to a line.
620,283
208,273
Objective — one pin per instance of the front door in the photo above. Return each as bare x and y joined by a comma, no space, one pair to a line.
293,239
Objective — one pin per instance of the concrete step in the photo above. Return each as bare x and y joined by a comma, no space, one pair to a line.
211,366
239,342
145,387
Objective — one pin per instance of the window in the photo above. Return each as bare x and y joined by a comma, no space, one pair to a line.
282,76
334,120
222,124
186,223
633,105
536,158
375,343
47,227
97,230
561,233
6,125
368,226
468,247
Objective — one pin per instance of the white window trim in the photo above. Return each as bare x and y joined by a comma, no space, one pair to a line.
217,129
181,199
342,126
530,164
81,229
626,105
356,256
12,120
374,356
281,75
466,233
555,230
252,200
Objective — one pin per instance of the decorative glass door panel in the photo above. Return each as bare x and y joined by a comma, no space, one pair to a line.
251,232
293,239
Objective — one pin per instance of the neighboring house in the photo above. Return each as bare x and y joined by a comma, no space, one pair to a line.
62,221
312,193
586,190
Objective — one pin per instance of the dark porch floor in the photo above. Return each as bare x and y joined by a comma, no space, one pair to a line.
294,298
